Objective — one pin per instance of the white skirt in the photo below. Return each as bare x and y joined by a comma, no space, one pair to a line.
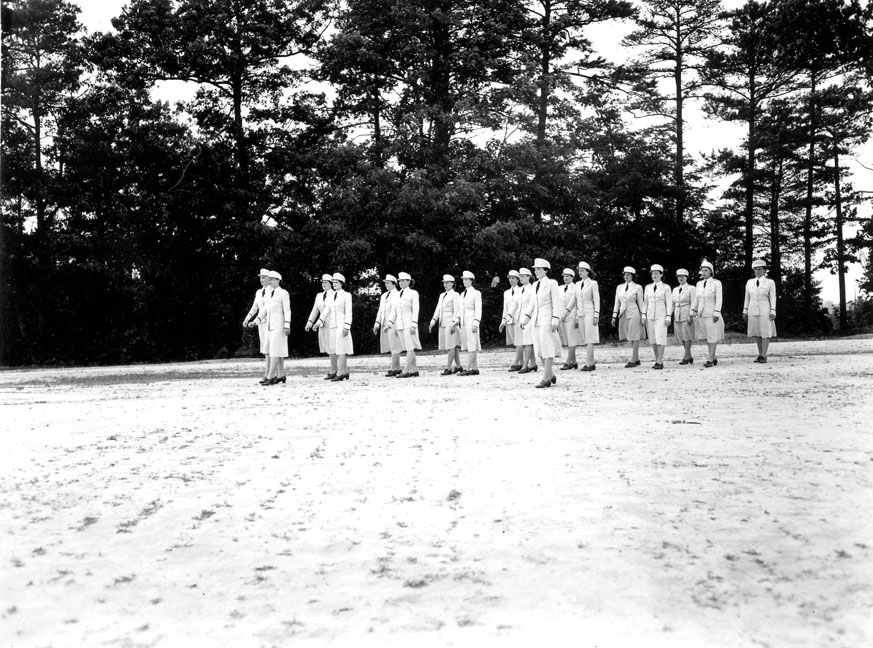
339,344
590,330
709,330
631,329
762,327
323,339
384,344
277,343
512,336
470,341
448,340
570,334
657,329
263,336
684,331
409,339
547,344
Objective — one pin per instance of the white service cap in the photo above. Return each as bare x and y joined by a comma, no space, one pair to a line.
264,273
404,275
542,263
681,271
338,277
707,264
656,266
569,271
582,264
326,277
512,273
468,275
390,277
448,278
524,271
629,269
759,263
274,275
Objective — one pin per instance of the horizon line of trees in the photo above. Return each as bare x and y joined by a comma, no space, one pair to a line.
456,134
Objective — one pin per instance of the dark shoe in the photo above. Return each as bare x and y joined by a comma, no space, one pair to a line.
757,359
330,376
514,367
446,372
554,380
587,368
393,372
340,378
763,360
408,374
566,366
264,381
270,381
281,379
657,365
630,365
457,370
685,361
543,384
715,362
708,364
470,372
525,370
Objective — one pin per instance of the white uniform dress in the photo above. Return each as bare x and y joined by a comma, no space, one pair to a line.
381,319
760,303
277,318
569,329
405,315
526,334
315,314
707,308
511,311
628,311
337,318
259,305
684,297
543,312
658,307
470,314
588,310
447,308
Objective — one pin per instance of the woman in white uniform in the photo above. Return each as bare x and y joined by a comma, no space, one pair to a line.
259,304
449,338
468,319
684,297
529,359
405,320
657,313
708,310
588,312
627,313
278,319
509,321
759,309
389,341
338,319
315,314
543,316
569,329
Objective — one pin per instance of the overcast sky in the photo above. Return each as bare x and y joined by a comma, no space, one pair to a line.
703,135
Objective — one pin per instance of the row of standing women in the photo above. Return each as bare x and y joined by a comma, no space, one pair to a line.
539,318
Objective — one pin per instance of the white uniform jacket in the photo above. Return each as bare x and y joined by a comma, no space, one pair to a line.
470,313
760,297
658,301
277,314
404,309
629,300
587,299
547,305
338,313
708,299
568,292
447,308
684,299
512,305
382,313
319,306
262,295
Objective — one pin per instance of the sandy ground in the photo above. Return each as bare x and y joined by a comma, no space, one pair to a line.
184,505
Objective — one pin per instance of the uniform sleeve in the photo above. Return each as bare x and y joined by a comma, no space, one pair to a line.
477,304
347,298
437,311
668,298
557,302
380,314
506,314
577,295
286,308
772,292
253,311
717,298
616,307
695,302
572,303
595,295
415,308
645,308
747,298
313,314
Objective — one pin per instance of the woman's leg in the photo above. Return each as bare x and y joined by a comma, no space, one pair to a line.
472,360
342,367
333,363
280,369
547,369
571,355
266,366
635,351
712,346
410,362
589,355
765,344
273,371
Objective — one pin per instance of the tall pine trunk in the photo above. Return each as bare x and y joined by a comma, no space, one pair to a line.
841,247
807,218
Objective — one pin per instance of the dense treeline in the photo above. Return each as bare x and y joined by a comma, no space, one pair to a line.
372,136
